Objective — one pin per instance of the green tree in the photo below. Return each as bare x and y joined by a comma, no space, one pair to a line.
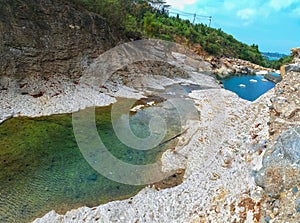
150,18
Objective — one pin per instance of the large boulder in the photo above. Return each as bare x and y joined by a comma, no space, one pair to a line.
292,67
296,55
281,165
284,69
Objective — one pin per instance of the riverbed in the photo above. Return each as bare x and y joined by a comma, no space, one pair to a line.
42,168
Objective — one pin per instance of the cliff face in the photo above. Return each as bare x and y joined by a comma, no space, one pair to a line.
49,37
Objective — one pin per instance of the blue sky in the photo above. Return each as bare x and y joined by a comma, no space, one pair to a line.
272,24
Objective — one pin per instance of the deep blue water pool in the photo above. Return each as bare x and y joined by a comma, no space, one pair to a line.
248,87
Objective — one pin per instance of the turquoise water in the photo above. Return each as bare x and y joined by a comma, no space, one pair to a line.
275,74
42,168
273,58
251,90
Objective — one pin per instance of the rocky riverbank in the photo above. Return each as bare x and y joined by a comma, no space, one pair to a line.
215,153
241,159
219,154
39,96
233,139
225,67
280,175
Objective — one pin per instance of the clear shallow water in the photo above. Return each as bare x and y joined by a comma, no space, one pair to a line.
251,90
41,167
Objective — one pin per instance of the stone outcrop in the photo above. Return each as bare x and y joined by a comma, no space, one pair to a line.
285,108
296,55
38,96
292,67
295,66
49,37
280,174
281,169
224,67
274,79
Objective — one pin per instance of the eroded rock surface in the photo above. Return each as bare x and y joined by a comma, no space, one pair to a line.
281,169
110,76
49,37
285,112
280,174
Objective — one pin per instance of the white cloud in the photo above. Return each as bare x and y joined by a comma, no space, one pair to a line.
179,4
296,12
282,4
241,4
246,14
229,5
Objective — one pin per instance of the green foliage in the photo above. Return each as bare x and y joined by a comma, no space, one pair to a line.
213,41
149,25
151,19
115,11
276,64
131,23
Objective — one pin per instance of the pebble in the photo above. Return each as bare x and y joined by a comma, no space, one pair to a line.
268,219
295,190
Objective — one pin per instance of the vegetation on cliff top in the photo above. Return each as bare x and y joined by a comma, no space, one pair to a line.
150,18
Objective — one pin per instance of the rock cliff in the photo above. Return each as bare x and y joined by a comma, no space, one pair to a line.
49,37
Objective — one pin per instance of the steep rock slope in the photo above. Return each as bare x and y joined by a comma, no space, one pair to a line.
49,37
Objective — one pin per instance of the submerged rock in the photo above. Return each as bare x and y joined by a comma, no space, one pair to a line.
92,177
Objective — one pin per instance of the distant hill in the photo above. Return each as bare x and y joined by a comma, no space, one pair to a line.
273,56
